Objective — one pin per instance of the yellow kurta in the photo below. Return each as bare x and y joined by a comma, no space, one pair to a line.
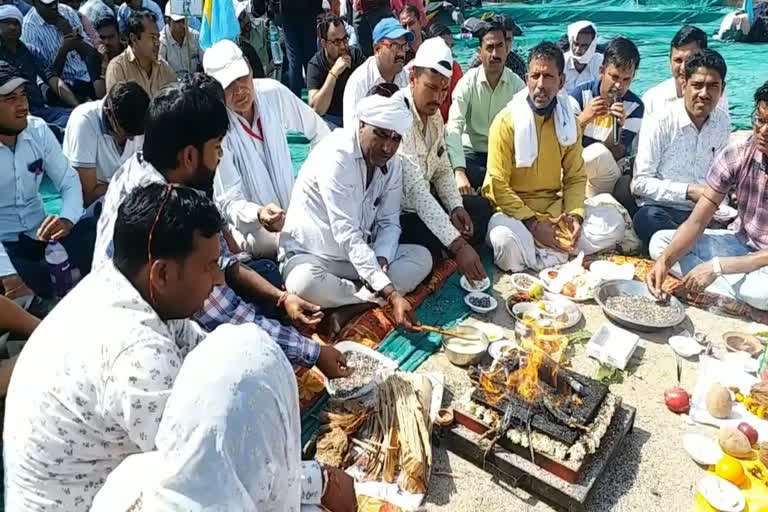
523,192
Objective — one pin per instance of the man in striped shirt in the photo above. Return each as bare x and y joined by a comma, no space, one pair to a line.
602,103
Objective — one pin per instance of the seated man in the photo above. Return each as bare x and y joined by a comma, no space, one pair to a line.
90,387
28,150
731,263
602,105
390,42
254,183
438,221
480,94
140,62
111,43
340,244
55,31
536,177
677,148
582,63
184,129
436,29
31,67
329,70
180,45
659,97
514,62
409,19
103,134
130,7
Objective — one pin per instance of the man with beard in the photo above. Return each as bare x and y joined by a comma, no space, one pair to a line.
536,177
340,245
390,42
183,142
582,63
686,41
29,151
480,94
677,148
441,220
731,263
255,179
140,62
330,69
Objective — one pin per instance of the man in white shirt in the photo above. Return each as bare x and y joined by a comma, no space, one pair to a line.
582,62
179,44
437,221
677,148
390,42
101,135
686,41
340,244
90,387
255,178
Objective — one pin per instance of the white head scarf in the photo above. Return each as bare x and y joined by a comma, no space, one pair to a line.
231,433
387,113
573,32
11,12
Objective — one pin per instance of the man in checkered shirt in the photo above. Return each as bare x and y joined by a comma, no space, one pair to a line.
728,262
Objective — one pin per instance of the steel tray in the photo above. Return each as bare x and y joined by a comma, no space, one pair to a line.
618,287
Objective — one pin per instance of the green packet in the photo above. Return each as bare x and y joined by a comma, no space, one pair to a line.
763,336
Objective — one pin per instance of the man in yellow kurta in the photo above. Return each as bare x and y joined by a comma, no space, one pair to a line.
536,177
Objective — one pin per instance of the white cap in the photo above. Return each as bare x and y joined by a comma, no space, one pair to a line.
224,61
240,6
434,54
174,17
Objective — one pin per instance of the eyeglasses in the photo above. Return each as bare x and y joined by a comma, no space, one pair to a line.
395,47
338,42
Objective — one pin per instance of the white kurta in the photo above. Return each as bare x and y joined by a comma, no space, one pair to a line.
88,390
360,82
217,448
574,77
660,97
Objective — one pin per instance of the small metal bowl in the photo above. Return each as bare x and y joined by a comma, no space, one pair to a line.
465,357
619,287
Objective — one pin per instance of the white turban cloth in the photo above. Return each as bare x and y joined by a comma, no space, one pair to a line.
573,32
11,12
387,113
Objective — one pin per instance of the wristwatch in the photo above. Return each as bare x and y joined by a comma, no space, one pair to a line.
716,266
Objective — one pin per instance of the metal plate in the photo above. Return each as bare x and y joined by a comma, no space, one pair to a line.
634,288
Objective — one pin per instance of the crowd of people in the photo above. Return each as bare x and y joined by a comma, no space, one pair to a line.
162,380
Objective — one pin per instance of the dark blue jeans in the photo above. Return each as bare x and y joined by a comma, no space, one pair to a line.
301,46
477,163
650,219
28,256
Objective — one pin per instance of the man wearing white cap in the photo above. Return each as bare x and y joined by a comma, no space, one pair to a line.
340,244
390,42
179,44
582,63
437,221
255,179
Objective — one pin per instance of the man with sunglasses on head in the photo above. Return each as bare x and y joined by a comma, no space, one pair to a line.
329,70
390,42
730,263
104,134
340,244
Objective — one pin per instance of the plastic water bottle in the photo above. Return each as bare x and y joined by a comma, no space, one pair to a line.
58,267
274,43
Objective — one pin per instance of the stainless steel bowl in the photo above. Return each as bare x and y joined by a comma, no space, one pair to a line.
465,358
618,287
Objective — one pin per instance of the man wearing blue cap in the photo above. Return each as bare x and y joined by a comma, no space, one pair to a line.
390,42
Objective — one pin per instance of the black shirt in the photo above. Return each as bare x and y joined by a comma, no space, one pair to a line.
317,72
30,66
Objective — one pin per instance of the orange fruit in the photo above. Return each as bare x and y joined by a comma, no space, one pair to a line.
730,469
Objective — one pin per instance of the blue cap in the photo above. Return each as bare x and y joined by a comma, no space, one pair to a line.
390,28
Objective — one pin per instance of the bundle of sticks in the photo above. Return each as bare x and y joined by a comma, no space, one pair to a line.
399,435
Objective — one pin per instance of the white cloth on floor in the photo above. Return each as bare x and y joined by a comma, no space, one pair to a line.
514,248
526,138
216,449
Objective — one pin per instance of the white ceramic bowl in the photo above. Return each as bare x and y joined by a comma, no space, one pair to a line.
480,309
515,277
495,350
474,286
702,448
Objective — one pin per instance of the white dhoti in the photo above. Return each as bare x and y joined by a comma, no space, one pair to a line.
602,170
514,248
331,284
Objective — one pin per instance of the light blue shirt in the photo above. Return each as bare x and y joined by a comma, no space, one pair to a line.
47,39
124,12
37,152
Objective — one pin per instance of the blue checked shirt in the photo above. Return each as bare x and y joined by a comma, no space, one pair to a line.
223,305
46,39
